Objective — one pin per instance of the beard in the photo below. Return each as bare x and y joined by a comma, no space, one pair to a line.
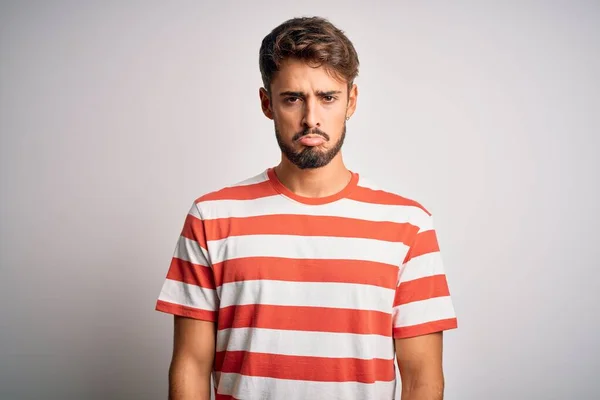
310,157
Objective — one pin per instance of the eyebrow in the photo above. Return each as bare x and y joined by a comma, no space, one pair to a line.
318,93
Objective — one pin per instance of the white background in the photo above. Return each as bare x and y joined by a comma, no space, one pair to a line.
114,116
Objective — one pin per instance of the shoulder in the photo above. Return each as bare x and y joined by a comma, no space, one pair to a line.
394,201
374,191
246,189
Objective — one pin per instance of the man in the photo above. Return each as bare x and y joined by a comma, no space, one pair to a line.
306,281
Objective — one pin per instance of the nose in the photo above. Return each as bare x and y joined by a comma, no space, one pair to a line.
311,117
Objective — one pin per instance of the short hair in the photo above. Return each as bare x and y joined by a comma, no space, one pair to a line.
312,39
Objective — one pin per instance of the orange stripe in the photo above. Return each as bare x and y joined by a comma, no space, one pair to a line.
309,225
185,311
305,368
421,289
425,242
193,229
281,188
246,192
367,195
424,329
314,319
185,271
306,270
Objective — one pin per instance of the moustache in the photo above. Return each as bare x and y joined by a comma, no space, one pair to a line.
315,131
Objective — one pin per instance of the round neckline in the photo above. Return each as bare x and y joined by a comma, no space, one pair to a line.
282,189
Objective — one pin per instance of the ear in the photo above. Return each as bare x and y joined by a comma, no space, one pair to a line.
352,98
265,103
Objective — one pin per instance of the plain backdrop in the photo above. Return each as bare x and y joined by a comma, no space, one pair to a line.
114,116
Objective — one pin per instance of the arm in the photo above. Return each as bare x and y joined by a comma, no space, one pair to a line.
420,364
193,357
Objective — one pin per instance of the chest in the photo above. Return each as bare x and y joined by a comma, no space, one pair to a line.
306,271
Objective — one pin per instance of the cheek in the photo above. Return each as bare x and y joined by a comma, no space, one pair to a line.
288,118
332,113
335,118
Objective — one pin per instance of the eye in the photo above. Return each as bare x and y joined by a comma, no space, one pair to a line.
292,100
329,99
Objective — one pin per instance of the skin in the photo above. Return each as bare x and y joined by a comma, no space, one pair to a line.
302,97
192,360
420,363
301,100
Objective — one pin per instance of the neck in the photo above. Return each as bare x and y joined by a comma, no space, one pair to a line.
318,182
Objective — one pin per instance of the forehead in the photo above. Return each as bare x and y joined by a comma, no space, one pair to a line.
298,74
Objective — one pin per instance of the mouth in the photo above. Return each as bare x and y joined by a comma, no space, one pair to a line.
311,140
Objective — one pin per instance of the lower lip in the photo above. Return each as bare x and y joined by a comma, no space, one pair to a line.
311,141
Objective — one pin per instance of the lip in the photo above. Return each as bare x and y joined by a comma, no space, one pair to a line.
311,140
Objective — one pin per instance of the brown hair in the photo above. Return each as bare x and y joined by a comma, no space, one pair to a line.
312,39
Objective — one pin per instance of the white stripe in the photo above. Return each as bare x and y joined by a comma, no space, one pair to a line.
262,177
188,295
345,208
306,247
303,343
423,266
421,312
426,224
194,211
375,186
308,294
189,250
369,184
258,388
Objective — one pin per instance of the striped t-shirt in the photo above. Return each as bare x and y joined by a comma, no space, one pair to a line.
308,293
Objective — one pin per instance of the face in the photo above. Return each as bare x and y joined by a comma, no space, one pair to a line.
309,108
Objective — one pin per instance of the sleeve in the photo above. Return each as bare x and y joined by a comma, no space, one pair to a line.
189,288
422,303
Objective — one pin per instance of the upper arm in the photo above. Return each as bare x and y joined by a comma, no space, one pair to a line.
189,292
420,360
422,310
194,341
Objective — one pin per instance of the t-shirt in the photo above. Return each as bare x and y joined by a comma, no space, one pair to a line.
308,293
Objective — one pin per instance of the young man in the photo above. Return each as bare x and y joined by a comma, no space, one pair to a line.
306,281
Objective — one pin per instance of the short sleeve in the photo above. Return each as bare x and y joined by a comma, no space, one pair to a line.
422,303
189,288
